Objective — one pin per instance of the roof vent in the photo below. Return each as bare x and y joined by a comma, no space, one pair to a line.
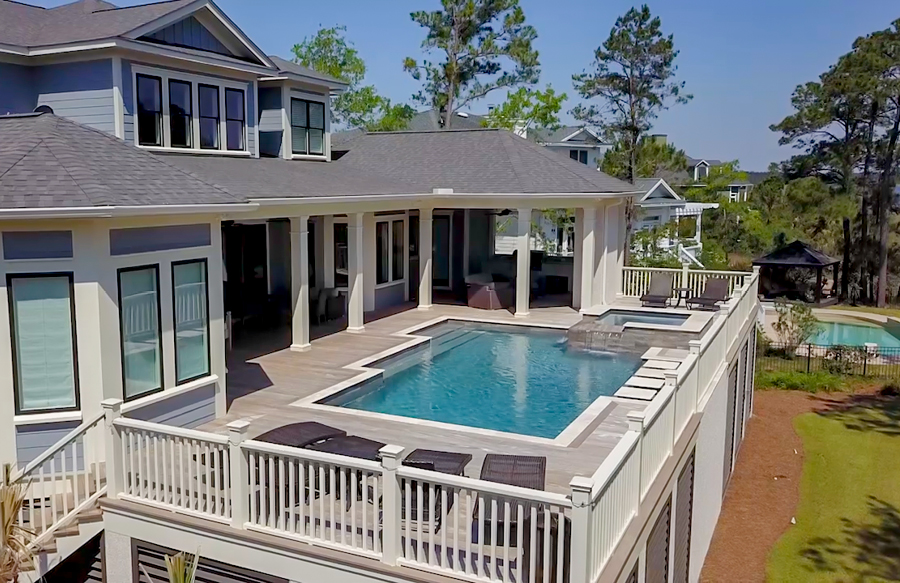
43,109
462,114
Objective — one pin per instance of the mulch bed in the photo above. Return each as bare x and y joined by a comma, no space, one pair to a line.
764,491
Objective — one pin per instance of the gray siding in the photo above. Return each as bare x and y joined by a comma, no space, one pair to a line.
17,93
270,121
189,33
251,120
81,92
189,410
386,297
33,440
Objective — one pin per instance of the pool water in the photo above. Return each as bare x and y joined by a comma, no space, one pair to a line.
502,378
622,317
854,335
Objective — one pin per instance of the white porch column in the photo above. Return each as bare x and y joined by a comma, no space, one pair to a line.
608,284
697,218
355,254
588,256
300,283
426,234
577,254
523,262
370,261
328,264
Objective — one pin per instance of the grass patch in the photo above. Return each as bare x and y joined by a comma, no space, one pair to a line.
894,312
848,522
812,382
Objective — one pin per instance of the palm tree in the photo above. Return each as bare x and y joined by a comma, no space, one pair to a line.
182,568
16,554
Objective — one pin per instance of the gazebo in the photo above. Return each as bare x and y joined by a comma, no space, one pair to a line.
775,266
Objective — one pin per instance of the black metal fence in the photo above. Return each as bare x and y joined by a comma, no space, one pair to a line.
873,361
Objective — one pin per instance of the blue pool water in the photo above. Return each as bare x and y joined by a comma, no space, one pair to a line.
622,317
849,334
501,378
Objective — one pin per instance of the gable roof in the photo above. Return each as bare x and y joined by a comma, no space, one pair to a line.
26,26
291,68
649,185
796,254
693,162
50,162
564,134
476,161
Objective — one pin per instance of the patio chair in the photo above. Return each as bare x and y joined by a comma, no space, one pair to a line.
524,471
716,291
301,434
660,291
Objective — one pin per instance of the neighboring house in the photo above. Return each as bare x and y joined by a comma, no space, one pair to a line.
698,170
184,266
660,205
578,143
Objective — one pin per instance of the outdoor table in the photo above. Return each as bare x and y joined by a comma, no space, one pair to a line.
683,294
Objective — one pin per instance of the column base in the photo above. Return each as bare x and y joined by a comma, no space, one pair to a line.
425,306
356,329
522,314
301,347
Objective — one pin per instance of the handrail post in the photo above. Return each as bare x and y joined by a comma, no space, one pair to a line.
391,504
239,467
694,347
671,380
580,567
112,410
684,274
636,423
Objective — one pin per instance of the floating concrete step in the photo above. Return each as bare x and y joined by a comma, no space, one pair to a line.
645,383
635,393
652,373
661,364
673,354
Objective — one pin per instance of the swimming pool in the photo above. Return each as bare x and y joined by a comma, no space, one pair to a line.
622,317
854,334
504,378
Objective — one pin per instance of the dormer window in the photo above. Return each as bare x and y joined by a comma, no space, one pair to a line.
186,112
307,127
702,172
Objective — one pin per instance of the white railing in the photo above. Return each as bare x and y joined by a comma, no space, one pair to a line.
636,280
173,468
448,525
63,481
482,531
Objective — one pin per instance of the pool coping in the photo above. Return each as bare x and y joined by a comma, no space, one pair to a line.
695,324
572,436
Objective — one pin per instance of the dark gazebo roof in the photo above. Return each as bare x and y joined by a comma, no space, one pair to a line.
796,254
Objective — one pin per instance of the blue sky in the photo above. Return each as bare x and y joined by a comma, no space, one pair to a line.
741,59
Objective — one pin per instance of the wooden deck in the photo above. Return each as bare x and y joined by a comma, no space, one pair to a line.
265,378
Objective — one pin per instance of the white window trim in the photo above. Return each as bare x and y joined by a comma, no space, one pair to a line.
165,75
310,97
390,219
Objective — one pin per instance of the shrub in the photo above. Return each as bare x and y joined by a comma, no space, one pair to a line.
795,324
800,381
843,360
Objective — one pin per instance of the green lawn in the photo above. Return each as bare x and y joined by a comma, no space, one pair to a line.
892,311
848,521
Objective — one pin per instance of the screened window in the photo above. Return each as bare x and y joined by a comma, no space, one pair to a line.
149,110
307,127
181,133
42,319
139,321
191,320
208,105
234,119
389,247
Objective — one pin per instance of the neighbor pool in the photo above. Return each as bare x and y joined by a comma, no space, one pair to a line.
854,334
509,378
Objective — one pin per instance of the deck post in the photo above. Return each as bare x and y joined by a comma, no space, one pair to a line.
580,559
112,410
300,283
328,244
356,291
685,277
426,251
636,423
588,256
577,254
523,262
671,380
391,504
239,470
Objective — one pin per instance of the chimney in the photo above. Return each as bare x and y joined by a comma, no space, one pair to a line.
659,139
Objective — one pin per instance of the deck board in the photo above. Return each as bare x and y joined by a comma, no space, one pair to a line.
263,381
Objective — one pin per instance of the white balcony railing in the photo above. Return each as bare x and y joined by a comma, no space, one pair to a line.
448,525
636,280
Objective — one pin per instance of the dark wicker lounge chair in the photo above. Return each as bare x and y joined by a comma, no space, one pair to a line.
524,471
660,291
300,434
716,291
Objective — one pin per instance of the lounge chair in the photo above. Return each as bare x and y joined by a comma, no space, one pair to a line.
524,471
716,291
301,434
660,291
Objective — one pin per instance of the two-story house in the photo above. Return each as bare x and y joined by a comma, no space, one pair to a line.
217,337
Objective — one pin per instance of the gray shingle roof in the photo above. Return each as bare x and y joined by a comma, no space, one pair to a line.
797,253
85,20
47,161
558,135
431,120
285,66
475,161
276,178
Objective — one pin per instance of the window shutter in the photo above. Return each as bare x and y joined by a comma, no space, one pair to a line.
684,506
658,548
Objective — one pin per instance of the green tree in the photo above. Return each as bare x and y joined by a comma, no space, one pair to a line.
360,106
527,108
653,157
477,46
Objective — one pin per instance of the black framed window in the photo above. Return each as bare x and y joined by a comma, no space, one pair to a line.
341,256
382,252
190,301
234,119
42,329
139,323
180,111
578,155
208,110
397,248
307,127
149,110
